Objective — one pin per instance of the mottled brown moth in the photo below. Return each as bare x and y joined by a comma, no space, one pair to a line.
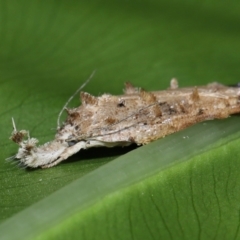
137,116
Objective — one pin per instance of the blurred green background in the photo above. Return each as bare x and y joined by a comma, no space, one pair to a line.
48,48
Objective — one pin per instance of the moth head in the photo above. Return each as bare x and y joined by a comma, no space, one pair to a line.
31,155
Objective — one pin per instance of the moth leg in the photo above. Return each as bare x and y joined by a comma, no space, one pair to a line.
67,153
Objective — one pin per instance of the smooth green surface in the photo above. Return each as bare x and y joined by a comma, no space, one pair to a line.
49,48
197,200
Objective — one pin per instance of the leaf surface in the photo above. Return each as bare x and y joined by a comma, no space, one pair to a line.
170,188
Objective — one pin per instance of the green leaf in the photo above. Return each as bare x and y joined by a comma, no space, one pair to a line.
157,190
183,186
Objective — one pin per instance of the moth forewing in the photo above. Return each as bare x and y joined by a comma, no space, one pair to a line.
136,117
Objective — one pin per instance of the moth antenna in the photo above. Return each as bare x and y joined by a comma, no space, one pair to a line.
70,99
14,125
28,134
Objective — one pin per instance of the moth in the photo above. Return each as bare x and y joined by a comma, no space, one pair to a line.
136,117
